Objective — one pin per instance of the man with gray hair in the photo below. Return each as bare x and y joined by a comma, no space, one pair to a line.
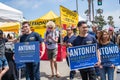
94,30
51,39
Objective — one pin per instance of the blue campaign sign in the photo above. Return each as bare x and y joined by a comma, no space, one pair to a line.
27,52
110,55
84,56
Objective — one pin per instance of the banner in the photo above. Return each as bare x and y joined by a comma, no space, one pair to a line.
68,17
110,55
27,52
41,23
82,56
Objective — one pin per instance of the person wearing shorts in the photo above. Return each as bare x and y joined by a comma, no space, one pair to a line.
52,53
3,61
51,39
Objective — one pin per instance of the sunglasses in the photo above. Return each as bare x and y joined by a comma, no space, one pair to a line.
24,27
50,27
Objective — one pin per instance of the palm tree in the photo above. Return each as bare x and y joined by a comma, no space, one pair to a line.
100,21
93,9
89,9
99,11
86,13
110,18
110,22
77,6
90,3
91,6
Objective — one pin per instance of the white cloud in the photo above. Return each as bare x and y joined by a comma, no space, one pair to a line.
115,15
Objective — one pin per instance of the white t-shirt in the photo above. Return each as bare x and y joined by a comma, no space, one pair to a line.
9,45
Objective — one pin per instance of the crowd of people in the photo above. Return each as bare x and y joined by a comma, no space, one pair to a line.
102,38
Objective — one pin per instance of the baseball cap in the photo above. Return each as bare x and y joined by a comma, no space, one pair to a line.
1,32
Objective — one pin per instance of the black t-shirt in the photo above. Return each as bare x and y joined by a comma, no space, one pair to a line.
31,37
89,39
69,40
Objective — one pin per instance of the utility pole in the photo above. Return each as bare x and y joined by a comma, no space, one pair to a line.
89,10
93,10
77,6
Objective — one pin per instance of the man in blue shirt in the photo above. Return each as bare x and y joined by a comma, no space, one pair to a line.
84,39
68,41
32,68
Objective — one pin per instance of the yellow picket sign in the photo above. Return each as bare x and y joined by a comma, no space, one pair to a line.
68,17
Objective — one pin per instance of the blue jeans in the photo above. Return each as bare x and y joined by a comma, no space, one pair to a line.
88,73
97,70
107,70
3,62
33,71
72,73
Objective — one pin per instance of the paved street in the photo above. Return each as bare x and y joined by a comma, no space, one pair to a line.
63,69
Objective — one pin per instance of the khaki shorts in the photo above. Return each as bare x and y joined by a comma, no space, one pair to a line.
52,53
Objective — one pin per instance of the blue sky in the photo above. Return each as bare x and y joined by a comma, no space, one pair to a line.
33,9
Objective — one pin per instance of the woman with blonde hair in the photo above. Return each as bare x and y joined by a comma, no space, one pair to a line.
103,41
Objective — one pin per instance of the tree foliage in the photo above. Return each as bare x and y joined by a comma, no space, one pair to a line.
99,11
100,21
110,22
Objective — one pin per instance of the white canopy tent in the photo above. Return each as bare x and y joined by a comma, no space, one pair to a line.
8,14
